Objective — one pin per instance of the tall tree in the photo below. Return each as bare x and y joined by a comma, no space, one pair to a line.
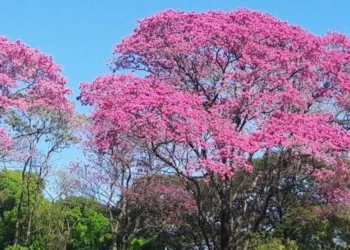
220,90
36,110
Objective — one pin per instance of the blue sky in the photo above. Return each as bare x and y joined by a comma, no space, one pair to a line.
80,34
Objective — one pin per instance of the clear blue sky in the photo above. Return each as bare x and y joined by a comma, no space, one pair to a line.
80,34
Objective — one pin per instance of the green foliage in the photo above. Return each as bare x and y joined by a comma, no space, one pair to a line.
91,228
152,243
10,191
78,223
75,223
303,229
17,248
308,228
137,243
273,243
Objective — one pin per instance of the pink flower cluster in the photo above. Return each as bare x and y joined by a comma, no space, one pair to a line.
29,79
221,87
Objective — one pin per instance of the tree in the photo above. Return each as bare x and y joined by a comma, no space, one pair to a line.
121,180
38,135
86,224
71,223
106,178
37,115
10,195
221,90
29,79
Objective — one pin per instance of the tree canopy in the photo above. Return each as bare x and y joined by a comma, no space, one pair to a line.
214,130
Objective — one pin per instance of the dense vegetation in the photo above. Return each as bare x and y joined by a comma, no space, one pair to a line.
235,136
75,222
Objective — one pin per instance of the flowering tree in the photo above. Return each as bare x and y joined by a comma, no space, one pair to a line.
245,105
121,178
29,79
36,118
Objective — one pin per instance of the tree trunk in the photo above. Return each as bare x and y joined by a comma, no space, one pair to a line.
115,229
19,209
29,227
246,244
114,241
20,202
224,228
35,205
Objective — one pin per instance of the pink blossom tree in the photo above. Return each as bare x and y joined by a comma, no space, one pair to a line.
29,79
245,105
36,120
